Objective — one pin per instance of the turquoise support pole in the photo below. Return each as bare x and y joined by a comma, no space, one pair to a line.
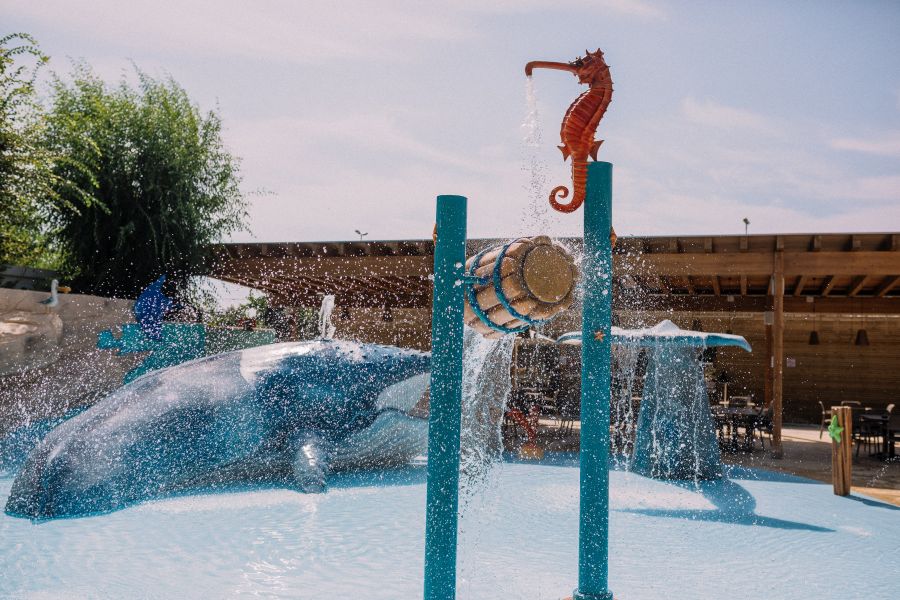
446,399
593,531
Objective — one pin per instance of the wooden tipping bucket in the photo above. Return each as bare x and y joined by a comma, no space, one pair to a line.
523,283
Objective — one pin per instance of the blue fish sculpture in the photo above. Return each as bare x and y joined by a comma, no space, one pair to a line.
283,414
150,308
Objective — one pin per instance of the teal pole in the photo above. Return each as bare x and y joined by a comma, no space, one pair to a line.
446,399
593,530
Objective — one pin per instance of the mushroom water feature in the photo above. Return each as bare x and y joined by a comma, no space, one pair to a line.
675,436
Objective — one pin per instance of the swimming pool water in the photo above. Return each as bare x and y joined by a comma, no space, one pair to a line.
758,535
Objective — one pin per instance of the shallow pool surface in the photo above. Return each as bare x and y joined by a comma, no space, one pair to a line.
757,535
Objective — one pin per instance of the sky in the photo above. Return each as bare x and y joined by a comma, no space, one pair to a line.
355,115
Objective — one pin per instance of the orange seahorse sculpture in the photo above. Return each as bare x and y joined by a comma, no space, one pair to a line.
581,120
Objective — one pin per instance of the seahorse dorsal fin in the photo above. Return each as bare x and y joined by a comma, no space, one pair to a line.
595,148
565,151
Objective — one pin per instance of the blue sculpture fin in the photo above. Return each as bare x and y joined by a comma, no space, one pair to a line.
150,307
106,340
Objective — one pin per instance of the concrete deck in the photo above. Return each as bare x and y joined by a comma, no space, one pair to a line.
808,456
805,454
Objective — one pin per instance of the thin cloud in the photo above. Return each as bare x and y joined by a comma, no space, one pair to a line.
311,32
636,8
721,116
360,134
641,9
885,145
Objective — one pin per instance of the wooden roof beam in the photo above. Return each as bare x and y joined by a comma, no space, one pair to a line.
241,281
811,264
829,285
300,282
410,284
832,304
857,285
690,285
346,266
801,281
664,286
379,284
887,285
302,286
717,286
743,285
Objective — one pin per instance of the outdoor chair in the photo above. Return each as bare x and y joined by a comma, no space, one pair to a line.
720,421
826,419
892,435
764,424
868,433
569,406
851,403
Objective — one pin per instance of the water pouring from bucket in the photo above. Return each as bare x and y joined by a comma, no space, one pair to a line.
514,287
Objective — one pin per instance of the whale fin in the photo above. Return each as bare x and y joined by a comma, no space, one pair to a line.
310,465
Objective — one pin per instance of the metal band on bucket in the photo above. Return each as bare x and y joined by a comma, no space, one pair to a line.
497,280
473,301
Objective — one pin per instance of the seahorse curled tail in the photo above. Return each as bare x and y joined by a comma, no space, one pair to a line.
579,182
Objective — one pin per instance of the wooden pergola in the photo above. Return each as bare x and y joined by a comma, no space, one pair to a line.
687,273
771,274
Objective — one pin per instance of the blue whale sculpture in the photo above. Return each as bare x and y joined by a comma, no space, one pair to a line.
285,414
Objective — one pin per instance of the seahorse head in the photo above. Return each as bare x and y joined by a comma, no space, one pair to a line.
591,68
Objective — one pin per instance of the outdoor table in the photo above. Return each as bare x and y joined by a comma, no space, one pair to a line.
891,429
733,418
890,426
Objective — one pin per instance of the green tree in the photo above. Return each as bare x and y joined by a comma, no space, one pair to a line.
301,323
28,179
166,186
